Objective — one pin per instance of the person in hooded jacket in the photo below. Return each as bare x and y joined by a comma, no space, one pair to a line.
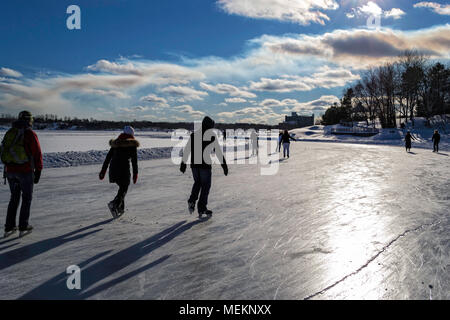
123,149
199,141
286,141
436,139
22,177
408,138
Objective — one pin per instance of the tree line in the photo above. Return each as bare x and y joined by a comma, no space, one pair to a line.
413,86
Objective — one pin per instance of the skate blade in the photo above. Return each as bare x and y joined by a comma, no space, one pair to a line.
24,233
8,234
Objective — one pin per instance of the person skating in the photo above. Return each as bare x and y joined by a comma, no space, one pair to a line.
123,149
254,142
408,138
21,153
201,165
436,138
286,141
280,136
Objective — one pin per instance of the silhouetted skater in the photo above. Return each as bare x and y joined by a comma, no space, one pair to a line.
408,138
286,141
199,141
280,136
122,150
436,138
254,142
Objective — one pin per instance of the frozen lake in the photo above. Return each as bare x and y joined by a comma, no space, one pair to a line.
336,221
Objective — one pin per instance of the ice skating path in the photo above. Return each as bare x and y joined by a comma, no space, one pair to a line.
337,221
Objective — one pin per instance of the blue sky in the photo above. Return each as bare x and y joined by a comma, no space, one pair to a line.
173,60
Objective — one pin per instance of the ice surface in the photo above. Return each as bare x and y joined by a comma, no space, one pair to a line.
336,221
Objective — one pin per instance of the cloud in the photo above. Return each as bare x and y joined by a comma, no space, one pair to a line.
150,72
442,9
10,73
302,12
235,100
373,9
318,105
223,88
325,78
394,13
184,93
152,98
361,48
189,110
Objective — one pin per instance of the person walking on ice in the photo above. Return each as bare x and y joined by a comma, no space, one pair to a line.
436,138
255,143
200,145
286,141
123,149
408,138
21,153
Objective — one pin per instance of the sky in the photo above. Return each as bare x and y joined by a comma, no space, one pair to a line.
175,60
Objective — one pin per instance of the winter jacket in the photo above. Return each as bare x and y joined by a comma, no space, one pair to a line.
32,148
285,138
118,158
436,138
212,144
408,138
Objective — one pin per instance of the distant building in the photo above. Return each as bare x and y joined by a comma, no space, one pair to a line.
296,121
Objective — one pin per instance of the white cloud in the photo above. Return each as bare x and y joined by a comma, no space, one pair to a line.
325,78
223,88
184,93
302,12
189,110
10,73
373,9
235,100
152,98
442,9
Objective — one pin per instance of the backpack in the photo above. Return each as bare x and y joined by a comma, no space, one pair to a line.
13,148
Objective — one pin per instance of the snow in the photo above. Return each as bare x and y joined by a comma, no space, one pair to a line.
338,220
393,137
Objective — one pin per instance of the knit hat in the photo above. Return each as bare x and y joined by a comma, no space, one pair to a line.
128,130
25,115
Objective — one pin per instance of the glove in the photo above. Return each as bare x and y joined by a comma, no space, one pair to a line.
37,176
101,175
225,169
135,177
183,167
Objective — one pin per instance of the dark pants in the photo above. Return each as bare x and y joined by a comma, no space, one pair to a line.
20,184
202,184
436,146
119,200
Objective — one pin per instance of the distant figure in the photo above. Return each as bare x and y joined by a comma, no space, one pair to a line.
436,138
254,142
408,138
201,167
280,136
118,158
22,156
224,135
286,141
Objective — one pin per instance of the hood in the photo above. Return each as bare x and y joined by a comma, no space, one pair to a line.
124,141
21,124
207,124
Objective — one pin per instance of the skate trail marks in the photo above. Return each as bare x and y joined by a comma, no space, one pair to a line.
372,258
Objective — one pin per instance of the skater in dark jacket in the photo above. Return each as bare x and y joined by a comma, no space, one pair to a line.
21,153
436,138
201,164
286,141
123,149
408,138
